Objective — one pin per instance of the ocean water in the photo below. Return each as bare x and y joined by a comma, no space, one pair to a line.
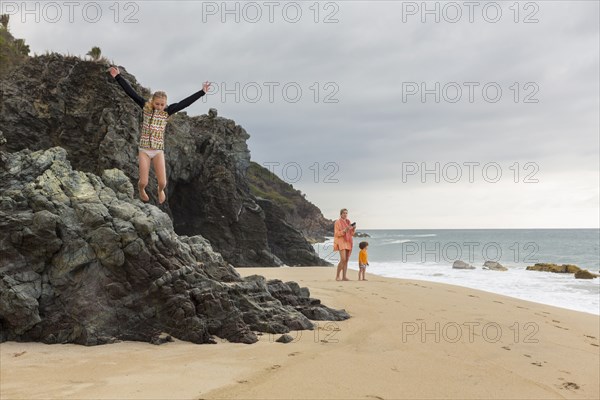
428,255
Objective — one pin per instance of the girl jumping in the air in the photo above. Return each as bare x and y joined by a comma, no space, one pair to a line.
151,145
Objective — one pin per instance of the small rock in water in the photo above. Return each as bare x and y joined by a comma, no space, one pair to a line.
459,264
493,265
549,267
585,274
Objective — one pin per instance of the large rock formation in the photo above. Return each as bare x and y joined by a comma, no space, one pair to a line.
85,262
282,237
53,100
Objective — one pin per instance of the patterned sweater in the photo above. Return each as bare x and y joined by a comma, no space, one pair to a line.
155,122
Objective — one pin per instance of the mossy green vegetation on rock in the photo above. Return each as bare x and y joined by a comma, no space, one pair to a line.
12,51
298,211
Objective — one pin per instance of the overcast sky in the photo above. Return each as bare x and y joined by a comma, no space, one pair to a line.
339,98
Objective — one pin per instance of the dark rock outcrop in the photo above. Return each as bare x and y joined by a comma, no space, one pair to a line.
285,240
585,274
83,262
549,267
296,210
52,100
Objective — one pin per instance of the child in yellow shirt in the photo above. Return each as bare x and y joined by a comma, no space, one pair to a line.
362,260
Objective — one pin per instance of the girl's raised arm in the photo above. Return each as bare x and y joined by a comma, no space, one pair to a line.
188,101
115,73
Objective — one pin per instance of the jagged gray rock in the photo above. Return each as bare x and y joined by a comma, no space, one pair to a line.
84,262
285,240
285,338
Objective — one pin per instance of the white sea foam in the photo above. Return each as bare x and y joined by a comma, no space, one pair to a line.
390,257
561,290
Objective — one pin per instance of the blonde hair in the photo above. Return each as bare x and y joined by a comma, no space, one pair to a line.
148,106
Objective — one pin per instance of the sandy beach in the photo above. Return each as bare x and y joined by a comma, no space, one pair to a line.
406,339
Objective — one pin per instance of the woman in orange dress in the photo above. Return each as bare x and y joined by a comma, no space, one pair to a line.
343,231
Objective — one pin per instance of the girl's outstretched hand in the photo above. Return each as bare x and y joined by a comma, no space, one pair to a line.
114,71
206,86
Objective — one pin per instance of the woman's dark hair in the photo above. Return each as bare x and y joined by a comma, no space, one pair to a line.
362,245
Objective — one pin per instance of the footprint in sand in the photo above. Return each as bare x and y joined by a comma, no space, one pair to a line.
19,354
527,355
506,347
242,381
294,354
537,364
496,301
566,329
374,397
593,338
275,366
524,308
473,296
555,320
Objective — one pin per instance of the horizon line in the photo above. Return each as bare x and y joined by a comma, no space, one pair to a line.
441,229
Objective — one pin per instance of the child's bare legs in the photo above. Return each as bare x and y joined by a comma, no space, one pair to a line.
348,252
361,273
340,265
161,174
144,166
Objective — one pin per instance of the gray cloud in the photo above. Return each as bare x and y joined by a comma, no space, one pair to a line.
368,55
